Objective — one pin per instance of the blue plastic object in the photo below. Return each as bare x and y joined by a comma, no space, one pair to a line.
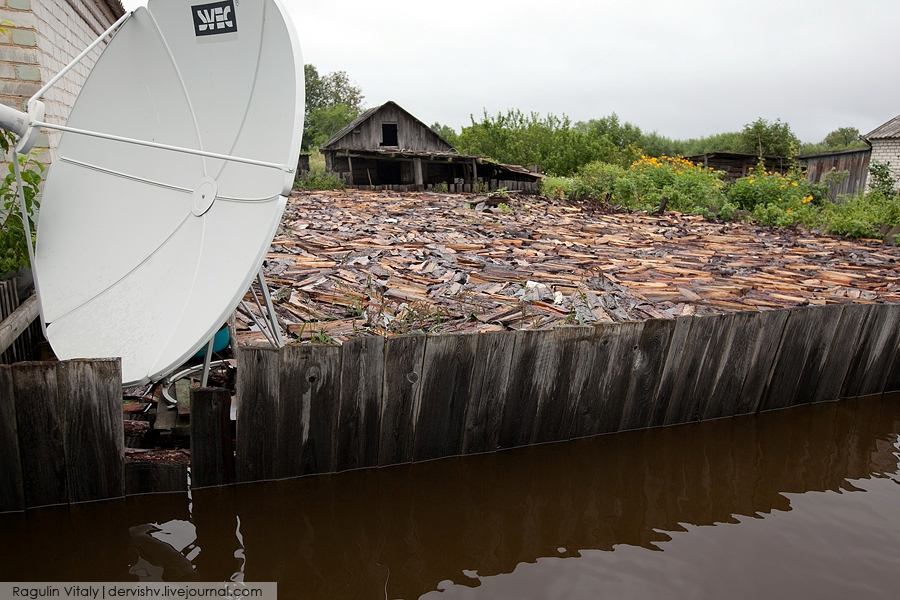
220,342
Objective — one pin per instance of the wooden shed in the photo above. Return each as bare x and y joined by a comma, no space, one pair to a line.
386,147
736,164
850,169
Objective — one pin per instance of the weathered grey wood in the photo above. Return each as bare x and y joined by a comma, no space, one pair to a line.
40,419
212,451
593,402
843,348
259,372
94,437
765,351
490,380
12,494
446,387
403,358
154,477
17,322
682,386
739,334
362,381
556,412
805,332
534,366
646,373
869,369
308,409
622,340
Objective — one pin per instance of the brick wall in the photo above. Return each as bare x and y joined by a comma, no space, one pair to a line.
888,151
44,36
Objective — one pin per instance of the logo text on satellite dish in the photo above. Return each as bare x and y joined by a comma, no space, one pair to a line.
214,18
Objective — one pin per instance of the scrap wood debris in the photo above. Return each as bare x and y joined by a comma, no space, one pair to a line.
356,262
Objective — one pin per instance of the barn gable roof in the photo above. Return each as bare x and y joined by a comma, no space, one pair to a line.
891,129
368,114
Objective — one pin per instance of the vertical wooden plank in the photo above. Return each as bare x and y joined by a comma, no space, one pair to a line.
212,453
39,419
484,414
671,369
716,358
257,413
446,386
91,391
154,478
308,409
362,382
532,382
869,369
623,340
800,345
556,413
12,495
403,358
649,359
842,349
683,387
739,340
765,350
590,415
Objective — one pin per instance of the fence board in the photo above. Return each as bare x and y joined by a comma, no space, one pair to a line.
94,434
308,410
212,453
765,350
591,406
806,330
739,336
648,359
535,362
362,381
484,414
403,358
670,369
868,370
844,345
154,477
12,495
40,418
623,341
681,386
446,386
257,413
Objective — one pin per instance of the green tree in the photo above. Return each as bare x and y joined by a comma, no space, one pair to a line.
769,138
332,101
843,137
445,131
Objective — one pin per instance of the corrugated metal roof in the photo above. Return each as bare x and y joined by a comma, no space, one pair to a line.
891,129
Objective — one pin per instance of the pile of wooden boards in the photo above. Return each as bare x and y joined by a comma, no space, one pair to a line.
357,262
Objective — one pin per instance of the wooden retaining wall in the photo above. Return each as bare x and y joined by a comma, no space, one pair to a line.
61,433
381,401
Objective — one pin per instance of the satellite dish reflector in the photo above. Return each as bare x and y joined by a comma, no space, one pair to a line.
145,249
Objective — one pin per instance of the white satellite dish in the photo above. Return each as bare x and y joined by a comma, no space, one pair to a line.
170,180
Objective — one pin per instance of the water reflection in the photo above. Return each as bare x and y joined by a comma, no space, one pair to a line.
409,530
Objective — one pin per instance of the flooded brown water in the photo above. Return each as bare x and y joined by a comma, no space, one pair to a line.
795,504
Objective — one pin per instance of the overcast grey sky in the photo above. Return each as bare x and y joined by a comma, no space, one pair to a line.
684,68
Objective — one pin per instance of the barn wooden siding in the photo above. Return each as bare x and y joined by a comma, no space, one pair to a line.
855,163
383,401
366,131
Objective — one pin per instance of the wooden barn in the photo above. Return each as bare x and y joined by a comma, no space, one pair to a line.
388,148
850,169
736,164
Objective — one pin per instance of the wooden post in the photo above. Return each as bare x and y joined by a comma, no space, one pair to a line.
212,455
417,170
12,496
14,325
475,175
350,163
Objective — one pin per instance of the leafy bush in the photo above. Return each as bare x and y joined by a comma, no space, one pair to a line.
869,216
319,180
558,187
597,181
671,182
13,243
761,188
882,181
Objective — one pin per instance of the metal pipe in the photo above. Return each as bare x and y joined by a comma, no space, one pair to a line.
79,58
159,146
